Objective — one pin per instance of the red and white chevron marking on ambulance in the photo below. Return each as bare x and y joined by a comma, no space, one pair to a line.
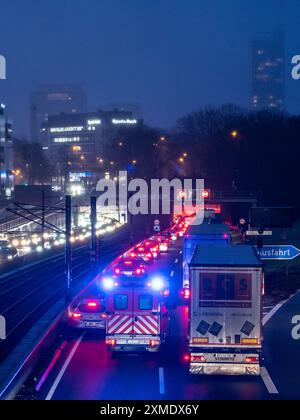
146,324
118,324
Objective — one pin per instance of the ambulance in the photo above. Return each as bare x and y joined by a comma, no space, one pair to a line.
138,315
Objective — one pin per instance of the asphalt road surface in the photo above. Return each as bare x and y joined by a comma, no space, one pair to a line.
88,371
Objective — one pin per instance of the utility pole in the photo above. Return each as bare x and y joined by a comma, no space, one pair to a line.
68,296
93,245
43,219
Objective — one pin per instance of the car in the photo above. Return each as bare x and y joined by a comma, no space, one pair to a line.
7,252
164,243
153,246
129,267
141,251
88,313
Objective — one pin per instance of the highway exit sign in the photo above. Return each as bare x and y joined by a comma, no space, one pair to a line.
278,252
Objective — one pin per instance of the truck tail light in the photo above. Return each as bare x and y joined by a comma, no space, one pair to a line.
252,359
154,343
185,293
200,359
111,342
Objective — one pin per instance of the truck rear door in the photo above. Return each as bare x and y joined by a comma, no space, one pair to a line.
225,308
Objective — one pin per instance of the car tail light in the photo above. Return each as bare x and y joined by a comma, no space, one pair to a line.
138,271
76,315
166,292
251,359
117,270
133,255
111,342
187,357
92,304
149,255
103,316
128,262
154,343
141,249
200,359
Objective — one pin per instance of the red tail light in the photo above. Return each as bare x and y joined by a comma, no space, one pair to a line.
76,315
128,262
154,343
149,255
200,359
117,270
133,255
187,357
103,316
138,271
185,293
92,304
111,342
251,359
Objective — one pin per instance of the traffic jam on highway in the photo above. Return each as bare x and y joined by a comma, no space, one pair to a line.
137,316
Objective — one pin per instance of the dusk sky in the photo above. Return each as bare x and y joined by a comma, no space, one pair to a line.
171,56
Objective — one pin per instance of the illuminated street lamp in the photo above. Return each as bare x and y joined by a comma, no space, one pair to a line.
181,160
134,162
234,134
185,155
112,163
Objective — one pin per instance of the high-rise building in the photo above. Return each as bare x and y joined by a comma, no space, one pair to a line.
267,79
49,100
77,143
6,153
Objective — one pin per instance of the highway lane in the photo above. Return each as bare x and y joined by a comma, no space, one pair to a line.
88,371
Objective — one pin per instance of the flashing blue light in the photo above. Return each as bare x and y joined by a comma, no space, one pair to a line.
108,284
157,284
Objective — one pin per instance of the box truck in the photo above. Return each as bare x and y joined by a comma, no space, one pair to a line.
225,313
204,234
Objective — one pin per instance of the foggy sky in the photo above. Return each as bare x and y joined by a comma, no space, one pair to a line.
171,56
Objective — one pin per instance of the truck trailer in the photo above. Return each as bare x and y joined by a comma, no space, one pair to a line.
225,313
204,234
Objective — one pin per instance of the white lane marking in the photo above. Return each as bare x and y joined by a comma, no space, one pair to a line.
172,274
161,380
64,368
180,252
268,381
273,312
176,261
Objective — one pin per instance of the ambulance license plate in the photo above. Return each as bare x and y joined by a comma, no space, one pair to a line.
133,342
224,357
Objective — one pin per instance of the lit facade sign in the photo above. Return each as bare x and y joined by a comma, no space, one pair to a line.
125,121
65,129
